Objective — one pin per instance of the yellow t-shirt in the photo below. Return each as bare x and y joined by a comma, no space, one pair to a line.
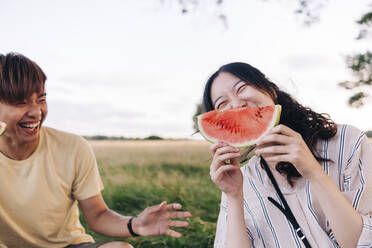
38,195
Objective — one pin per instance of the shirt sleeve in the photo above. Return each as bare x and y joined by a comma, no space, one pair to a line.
87,181
358,183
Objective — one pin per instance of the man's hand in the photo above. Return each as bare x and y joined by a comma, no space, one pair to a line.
157,220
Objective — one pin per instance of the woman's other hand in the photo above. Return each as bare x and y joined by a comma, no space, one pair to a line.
282,144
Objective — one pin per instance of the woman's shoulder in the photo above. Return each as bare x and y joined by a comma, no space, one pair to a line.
346,141
343,143
346,133
349,130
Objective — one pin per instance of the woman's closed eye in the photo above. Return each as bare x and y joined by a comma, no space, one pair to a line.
240,89
246,96
221,104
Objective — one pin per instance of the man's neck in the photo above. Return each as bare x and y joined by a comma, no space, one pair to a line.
16,151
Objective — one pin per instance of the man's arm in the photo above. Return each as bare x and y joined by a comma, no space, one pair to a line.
154,220
101,219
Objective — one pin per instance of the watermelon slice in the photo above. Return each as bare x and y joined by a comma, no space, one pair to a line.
2,127
240,127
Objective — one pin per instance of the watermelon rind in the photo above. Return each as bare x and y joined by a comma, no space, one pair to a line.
2,127
275,120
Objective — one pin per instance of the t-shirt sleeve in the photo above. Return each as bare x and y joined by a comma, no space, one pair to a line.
87,181
358,184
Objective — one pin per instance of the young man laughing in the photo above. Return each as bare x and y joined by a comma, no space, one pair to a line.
45,174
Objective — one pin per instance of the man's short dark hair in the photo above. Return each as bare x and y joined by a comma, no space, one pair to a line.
20,77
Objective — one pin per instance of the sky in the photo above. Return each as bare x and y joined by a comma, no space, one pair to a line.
136,68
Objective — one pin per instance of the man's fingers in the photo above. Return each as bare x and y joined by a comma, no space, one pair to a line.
173,233
180,215
174,206
156,208
177,223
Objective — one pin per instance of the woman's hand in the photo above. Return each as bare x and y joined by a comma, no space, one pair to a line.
157,220
283,144
224,170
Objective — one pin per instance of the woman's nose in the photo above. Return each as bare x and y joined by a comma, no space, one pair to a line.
238,103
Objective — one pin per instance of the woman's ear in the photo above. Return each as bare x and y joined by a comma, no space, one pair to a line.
273,95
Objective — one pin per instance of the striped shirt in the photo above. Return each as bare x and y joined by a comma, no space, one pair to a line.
351,170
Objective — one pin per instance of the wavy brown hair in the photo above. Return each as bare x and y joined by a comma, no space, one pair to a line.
311,125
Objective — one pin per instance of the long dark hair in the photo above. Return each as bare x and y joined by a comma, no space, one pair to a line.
311,125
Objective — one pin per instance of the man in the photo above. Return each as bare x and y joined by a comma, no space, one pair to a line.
45,174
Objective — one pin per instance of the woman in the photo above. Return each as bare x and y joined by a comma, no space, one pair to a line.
322,169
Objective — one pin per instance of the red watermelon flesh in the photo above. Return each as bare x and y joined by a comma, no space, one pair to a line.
238,127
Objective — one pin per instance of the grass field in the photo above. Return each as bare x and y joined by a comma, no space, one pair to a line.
137,174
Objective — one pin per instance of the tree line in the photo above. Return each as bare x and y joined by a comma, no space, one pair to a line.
104,137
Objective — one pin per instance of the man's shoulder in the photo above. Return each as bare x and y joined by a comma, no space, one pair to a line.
58,137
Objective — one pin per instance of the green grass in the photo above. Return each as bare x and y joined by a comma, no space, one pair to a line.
130,188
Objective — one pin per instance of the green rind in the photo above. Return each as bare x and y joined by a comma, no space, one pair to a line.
3,129
277,113
279,109
201,131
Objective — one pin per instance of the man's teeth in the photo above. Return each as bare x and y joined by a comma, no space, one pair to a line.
30,126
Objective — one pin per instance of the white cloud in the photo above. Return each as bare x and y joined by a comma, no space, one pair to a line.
136,68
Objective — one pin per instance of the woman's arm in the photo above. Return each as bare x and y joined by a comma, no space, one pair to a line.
345,221
226,174
284,144
236,230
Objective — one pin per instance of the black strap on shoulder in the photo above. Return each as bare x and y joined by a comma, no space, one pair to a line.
286,210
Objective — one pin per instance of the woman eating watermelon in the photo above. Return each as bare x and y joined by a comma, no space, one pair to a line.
309,183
